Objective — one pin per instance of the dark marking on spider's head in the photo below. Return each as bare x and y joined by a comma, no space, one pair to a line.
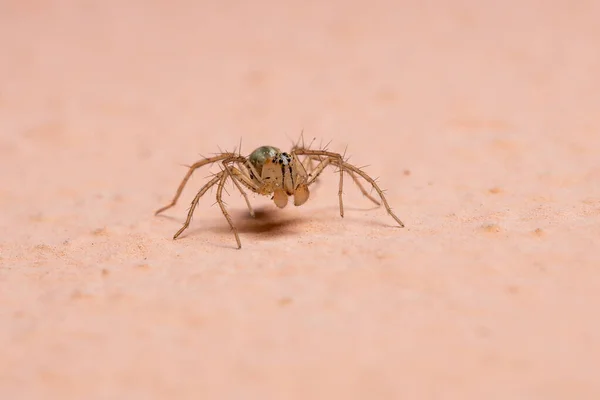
285,159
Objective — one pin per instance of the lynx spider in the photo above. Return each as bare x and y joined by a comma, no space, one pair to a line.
268,171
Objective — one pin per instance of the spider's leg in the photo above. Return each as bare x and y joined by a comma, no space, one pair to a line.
238,176
350,167
308,165
247,170
237,184
242,178
337,160
340,191
365,193
211,183
227,173
362,188
187,176
329,158
318,170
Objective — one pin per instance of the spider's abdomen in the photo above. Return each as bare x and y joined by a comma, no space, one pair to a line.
259,157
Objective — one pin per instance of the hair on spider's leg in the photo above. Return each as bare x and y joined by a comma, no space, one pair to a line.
296,145
292,143
344,154
304,146
188,175
380,192
326,147
200,193
224,210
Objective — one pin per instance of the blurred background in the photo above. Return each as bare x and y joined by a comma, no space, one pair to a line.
141,87
149,85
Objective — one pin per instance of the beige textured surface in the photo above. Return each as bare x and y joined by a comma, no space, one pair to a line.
492,291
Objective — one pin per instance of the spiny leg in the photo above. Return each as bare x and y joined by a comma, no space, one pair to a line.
318,170
337,160
187,176
211,183
362,188
244,179
376,187
300,142
250,209
309,167
226,173
238,176
245,169
354,178
307,163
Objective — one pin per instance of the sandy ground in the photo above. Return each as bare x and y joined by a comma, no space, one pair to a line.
480,119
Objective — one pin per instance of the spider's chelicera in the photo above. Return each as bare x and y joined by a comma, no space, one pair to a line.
268,171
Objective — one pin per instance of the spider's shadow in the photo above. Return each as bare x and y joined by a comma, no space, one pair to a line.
267,221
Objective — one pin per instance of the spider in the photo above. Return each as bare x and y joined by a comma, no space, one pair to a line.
268,171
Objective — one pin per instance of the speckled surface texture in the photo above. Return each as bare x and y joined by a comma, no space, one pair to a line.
479,118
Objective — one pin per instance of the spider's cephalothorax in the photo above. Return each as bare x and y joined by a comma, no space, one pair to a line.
278,173
268,171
